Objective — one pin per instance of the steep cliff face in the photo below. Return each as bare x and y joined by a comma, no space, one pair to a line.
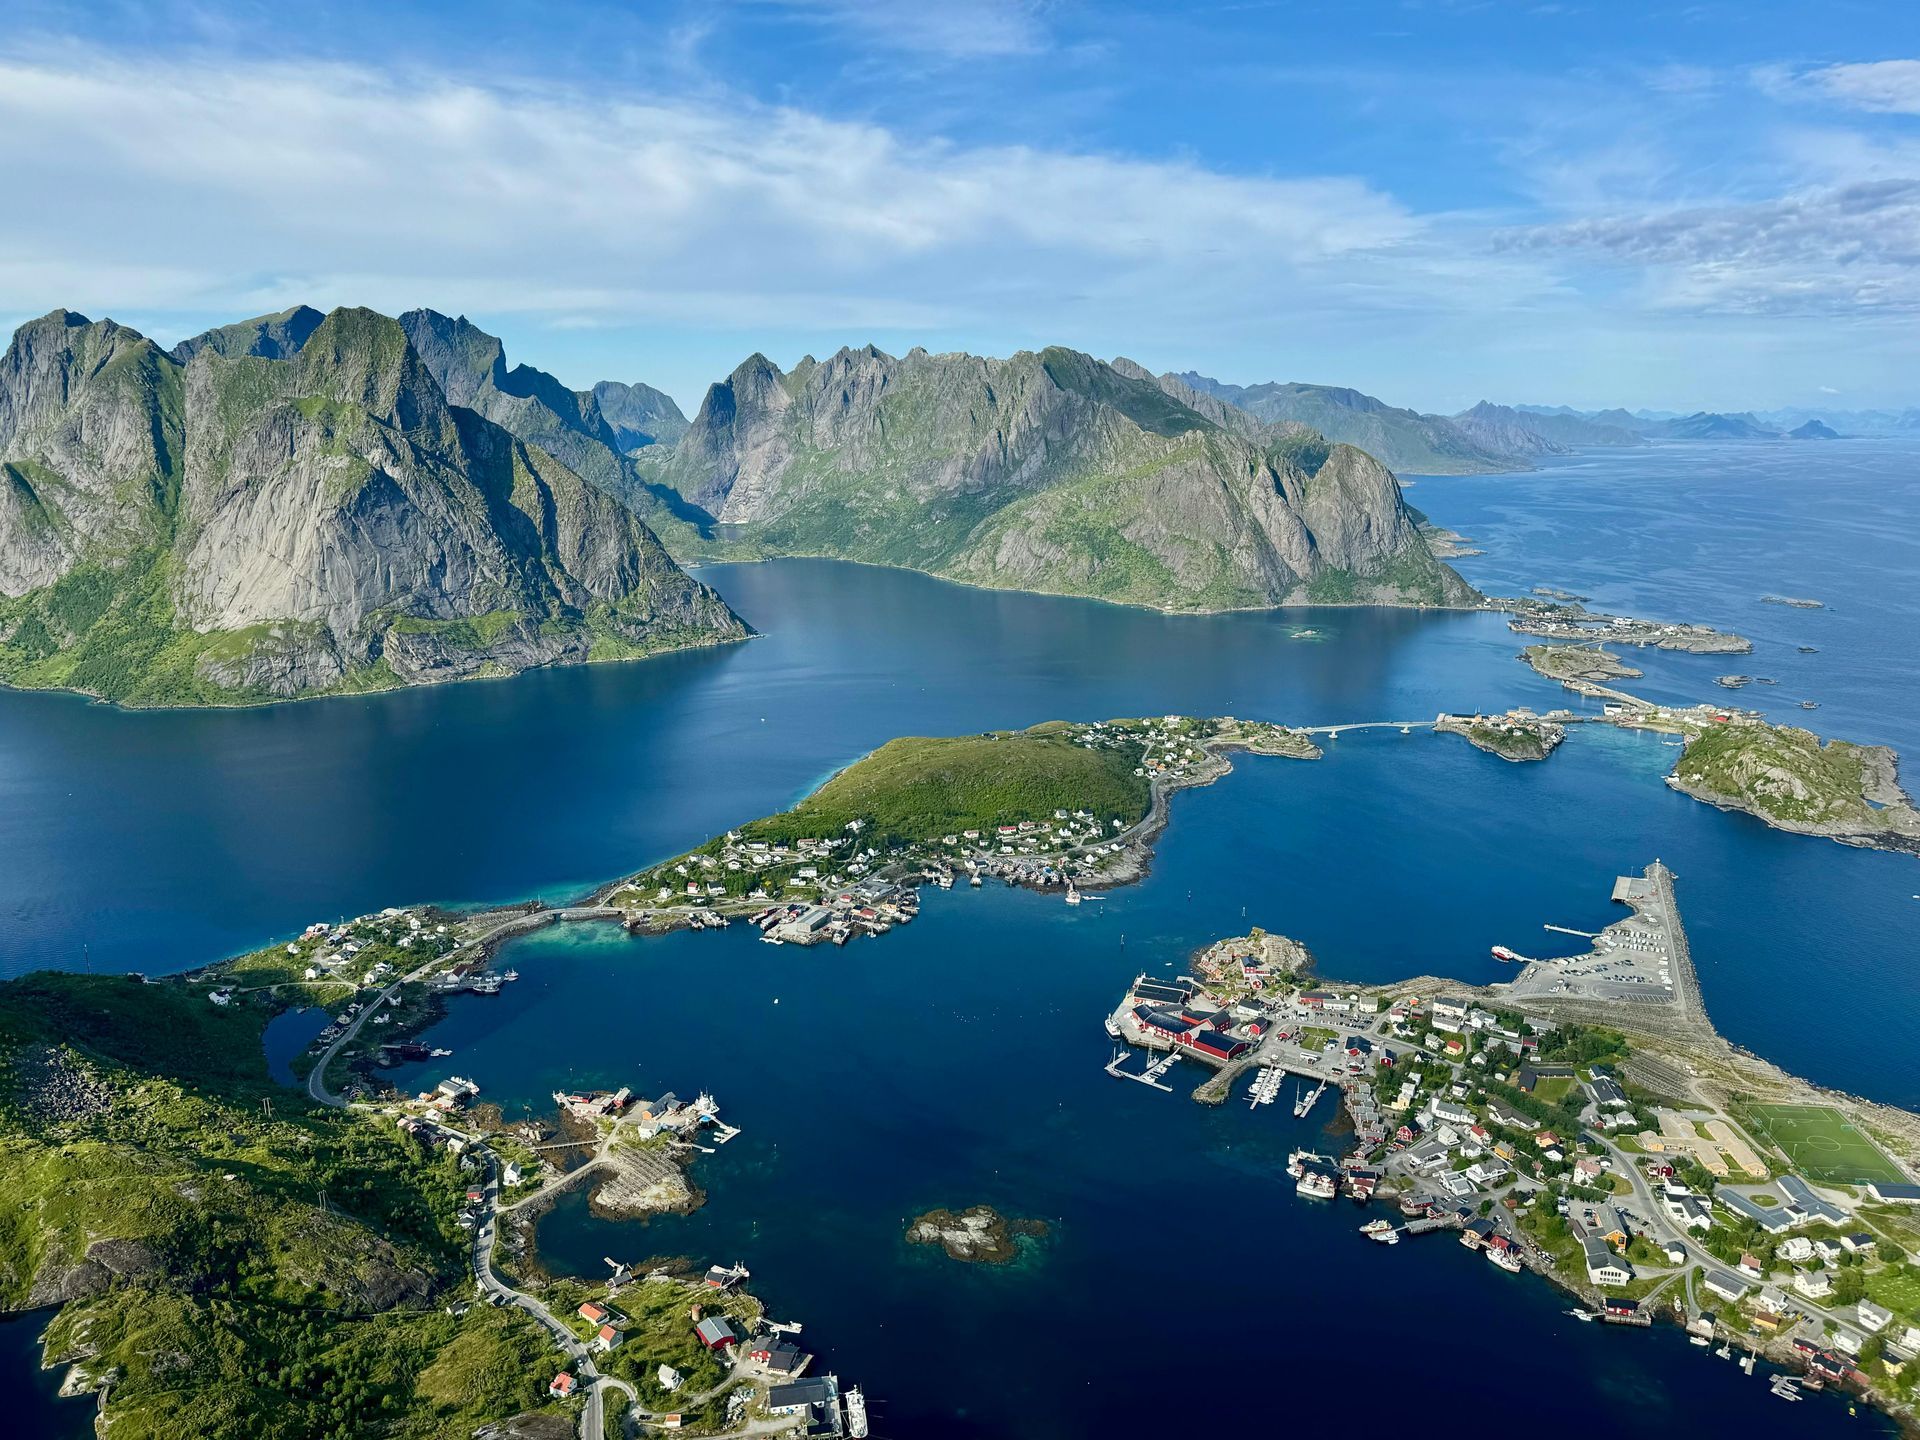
1048,471
329,521
90,437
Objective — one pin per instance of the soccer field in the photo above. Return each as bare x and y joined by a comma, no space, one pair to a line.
1821,1144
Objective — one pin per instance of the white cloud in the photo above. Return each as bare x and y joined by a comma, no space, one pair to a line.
219,186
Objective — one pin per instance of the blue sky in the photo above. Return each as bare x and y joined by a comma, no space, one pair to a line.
1706,205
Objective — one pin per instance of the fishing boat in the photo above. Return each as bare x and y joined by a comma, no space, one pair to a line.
856,1413
1073,896
1381,1230
1113,1028
1507,1260
1586,1315
1317,1184
1699,1340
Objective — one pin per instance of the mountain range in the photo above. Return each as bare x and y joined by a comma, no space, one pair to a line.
1048,471
305,504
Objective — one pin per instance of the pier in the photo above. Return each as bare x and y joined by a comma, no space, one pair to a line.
1116,1067
1303,1107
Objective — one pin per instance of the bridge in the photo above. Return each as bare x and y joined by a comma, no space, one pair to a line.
1405,727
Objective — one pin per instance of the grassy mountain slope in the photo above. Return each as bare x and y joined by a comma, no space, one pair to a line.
182,1229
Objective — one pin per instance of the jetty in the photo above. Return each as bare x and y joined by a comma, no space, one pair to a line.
1116,1067
1303,1107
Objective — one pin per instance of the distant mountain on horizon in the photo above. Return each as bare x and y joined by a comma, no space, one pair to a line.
1505,427
1813,430
1405,441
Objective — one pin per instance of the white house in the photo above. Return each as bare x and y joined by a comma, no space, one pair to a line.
1814,1284
1875,1317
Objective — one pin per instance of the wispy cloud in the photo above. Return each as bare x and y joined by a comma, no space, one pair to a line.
1886,86
1849,248
946,29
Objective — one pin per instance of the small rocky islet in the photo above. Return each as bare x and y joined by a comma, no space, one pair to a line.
978,1235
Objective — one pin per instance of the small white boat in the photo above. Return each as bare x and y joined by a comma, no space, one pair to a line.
1073,896
1586,1315
1699,1340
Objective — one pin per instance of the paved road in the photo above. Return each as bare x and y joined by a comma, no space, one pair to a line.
594,1384
316,1080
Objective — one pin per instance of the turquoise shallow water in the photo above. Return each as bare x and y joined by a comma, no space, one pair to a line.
959,1059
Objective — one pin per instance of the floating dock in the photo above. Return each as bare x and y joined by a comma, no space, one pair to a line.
1150,1076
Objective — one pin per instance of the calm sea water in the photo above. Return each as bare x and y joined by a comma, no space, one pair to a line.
958,1060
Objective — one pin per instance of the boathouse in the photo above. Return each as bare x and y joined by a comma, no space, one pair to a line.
1217,1045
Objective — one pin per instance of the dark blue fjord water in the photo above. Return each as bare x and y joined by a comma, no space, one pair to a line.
959,1059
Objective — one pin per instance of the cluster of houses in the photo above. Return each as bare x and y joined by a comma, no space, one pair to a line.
869,908
770,1351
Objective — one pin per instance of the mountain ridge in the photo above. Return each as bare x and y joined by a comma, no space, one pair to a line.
1046,470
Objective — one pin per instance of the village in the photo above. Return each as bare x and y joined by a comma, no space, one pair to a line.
818,888
1768,1230
686,1353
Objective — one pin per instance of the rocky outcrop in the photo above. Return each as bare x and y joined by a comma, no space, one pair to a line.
257,527
1049,471
978,1235
1795,781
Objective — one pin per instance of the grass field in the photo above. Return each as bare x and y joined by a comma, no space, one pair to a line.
1821,1143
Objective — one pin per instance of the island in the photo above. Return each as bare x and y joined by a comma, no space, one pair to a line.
1795,781
1570,620
1059,806
1579,662
1517,735
978,1235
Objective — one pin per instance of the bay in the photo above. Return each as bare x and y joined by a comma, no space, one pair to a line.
958,1060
